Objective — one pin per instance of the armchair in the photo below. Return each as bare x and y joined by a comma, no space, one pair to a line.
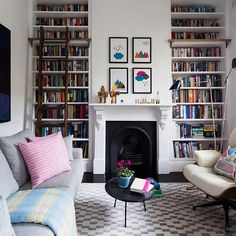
220,188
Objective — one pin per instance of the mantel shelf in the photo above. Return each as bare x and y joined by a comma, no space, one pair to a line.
107,105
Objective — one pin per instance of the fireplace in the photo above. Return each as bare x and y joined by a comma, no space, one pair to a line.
135,141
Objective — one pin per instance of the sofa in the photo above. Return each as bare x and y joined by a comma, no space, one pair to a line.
15,177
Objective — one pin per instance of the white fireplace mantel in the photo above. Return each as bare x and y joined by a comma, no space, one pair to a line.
130,112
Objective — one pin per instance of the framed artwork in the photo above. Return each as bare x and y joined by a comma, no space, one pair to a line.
142,50
142,80
118,79
118,50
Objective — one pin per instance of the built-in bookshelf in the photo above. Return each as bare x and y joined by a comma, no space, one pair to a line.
61,69
198,61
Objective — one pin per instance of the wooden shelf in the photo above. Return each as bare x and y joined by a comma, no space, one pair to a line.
196,120
198,29
70,58
196,139
60,88
197,15
61,72
200,88
197,103
198,58
205,42
60,14
197,72
61,27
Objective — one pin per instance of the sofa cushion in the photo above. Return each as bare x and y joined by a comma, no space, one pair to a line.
45,158
9,147
70,180
206,158
226,166
206,180
8,184
229,151
68,142
29,229
5,223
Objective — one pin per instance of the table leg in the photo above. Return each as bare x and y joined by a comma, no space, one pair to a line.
144,205
115,203
125,212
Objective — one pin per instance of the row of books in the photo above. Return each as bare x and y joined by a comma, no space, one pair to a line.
199,80
196,66
62,21
196,52
192,9
78,65
78,129
75,80
74,34
62,7
84,146
197,131
194,23
186,149
196,112
190,35
193,95
61,51
74,112
74,95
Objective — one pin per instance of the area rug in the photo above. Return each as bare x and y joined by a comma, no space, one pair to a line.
171,214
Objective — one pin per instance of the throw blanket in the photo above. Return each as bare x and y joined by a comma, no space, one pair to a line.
51,207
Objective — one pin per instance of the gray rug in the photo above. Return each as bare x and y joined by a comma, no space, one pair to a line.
169,215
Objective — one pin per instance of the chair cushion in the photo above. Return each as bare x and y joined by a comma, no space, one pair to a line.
45,158
8,184
226,166
205,179
207,158
9,147
5,223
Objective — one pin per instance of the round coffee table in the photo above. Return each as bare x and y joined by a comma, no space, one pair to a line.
125,195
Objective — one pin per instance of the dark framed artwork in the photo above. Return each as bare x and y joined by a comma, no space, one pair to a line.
118,79
142,50
142,80
118,50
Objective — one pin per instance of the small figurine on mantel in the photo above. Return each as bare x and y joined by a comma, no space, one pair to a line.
113,95
102,94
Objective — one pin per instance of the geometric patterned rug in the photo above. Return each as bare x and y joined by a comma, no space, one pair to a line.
169,215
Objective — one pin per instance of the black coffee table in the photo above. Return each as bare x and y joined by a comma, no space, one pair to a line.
125,195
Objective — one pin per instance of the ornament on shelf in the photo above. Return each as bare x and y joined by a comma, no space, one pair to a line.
145,101
113,95
157,98
102,94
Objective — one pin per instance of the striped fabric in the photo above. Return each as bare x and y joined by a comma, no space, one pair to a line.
51,207
45,158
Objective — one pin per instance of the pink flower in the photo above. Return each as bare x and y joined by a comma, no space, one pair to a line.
128,162
120,164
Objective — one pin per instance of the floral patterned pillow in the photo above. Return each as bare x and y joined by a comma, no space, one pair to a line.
226,166
229,151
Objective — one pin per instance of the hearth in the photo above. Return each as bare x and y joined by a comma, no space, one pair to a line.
135,141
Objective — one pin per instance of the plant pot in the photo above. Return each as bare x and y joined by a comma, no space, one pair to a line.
123,182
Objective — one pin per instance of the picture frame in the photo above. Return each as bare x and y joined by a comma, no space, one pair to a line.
118,79
142,80
142,50
118,49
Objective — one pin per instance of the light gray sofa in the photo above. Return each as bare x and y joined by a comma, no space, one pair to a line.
11,179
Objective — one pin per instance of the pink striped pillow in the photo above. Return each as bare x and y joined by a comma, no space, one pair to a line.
45,158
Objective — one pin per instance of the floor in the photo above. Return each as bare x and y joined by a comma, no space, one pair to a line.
174,177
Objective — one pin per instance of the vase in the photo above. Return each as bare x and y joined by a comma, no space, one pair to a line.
123,182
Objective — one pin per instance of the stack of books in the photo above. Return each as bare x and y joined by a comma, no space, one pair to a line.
142,186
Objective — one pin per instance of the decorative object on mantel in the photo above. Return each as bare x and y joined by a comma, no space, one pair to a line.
102,94
123,173
147,101
142,80
113,95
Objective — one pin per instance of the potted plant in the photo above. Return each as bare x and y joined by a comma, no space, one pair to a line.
123,173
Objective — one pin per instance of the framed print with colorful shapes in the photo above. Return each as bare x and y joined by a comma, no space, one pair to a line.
142,80
142,50
118,79
118,50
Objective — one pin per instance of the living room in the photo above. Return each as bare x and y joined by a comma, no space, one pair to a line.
141,119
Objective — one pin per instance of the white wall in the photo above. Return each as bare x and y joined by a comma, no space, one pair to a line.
132,18
231,108
14,15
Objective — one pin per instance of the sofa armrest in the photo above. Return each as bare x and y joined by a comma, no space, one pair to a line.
207,158
77,153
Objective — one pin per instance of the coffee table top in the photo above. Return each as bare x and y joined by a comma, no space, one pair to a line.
124,194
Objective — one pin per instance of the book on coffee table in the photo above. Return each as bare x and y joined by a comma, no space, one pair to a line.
142,186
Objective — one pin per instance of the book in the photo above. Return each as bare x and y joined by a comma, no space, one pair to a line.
142,186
